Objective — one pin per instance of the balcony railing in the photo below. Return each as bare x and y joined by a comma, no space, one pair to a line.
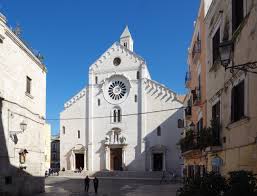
202,139
196,48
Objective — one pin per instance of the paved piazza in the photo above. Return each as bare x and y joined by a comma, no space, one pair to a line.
108,187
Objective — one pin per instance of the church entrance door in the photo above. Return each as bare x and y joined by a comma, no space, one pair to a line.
116,158
157,161
79,158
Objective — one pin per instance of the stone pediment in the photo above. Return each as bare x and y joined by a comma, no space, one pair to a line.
119,50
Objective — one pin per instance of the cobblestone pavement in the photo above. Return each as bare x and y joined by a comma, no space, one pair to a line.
108,187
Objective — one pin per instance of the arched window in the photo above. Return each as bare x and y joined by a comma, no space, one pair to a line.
116,115
159,131
180,123
63,130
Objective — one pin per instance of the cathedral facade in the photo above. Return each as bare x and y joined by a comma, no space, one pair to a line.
123,120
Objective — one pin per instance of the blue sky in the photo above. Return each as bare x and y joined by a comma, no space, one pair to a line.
73,34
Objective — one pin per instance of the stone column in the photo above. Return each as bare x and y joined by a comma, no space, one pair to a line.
85,159
123,158
73,165
164,161
107,159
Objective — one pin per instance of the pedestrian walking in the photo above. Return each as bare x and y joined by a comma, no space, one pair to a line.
87,180
96,181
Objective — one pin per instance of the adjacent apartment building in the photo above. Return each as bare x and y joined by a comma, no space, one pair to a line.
55,152
23,128
195,162
231,93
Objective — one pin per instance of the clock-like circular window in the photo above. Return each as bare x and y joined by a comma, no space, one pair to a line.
116,89
117,61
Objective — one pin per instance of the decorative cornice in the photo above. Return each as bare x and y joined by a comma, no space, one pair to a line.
75,98
160,90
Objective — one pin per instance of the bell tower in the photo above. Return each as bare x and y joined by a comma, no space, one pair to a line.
126,39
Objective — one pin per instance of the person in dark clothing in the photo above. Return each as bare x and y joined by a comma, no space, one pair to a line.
96,181
87,180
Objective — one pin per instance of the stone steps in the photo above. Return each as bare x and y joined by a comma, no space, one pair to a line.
114,174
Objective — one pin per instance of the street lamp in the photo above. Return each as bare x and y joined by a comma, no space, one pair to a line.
225,53
23,126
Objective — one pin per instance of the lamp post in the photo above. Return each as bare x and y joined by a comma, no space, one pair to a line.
226,51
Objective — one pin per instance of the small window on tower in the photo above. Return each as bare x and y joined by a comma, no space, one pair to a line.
159,131
99,102
126,44
63,130
78,133
135,98
96,79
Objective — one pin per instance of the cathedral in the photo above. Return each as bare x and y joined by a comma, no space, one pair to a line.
122,120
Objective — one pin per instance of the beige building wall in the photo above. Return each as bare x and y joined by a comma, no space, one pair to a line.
239,150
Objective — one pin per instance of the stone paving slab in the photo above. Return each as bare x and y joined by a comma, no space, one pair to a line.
108,187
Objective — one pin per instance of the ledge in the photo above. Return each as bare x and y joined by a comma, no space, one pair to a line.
238,123
29,95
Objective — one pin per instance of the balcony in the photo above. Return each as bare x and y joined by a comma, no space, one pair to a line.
201,140
196,50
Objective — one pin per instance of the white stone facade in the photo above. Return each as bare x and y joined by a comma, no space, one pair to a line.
119,116
23,129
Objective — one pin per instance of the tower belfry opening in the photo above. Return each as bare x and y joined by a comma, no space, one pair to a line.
126,39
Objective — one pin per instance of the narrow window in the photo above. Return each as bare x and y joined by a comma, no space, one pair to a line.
99,102
215,123
28,85
126,44
237,102
159,131
215,46
237,13
78,133
138,75
119,116
114,115
96,80
135,98
63,130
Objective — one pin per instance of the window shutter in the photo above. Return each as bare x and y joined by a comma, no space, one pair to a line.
233,104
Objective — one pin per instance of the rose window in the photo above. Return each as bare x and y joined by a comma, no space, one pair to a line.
117,90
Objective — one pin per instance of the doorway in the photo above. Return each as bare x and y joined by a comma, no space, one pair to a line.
157,161
116,159
79,159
